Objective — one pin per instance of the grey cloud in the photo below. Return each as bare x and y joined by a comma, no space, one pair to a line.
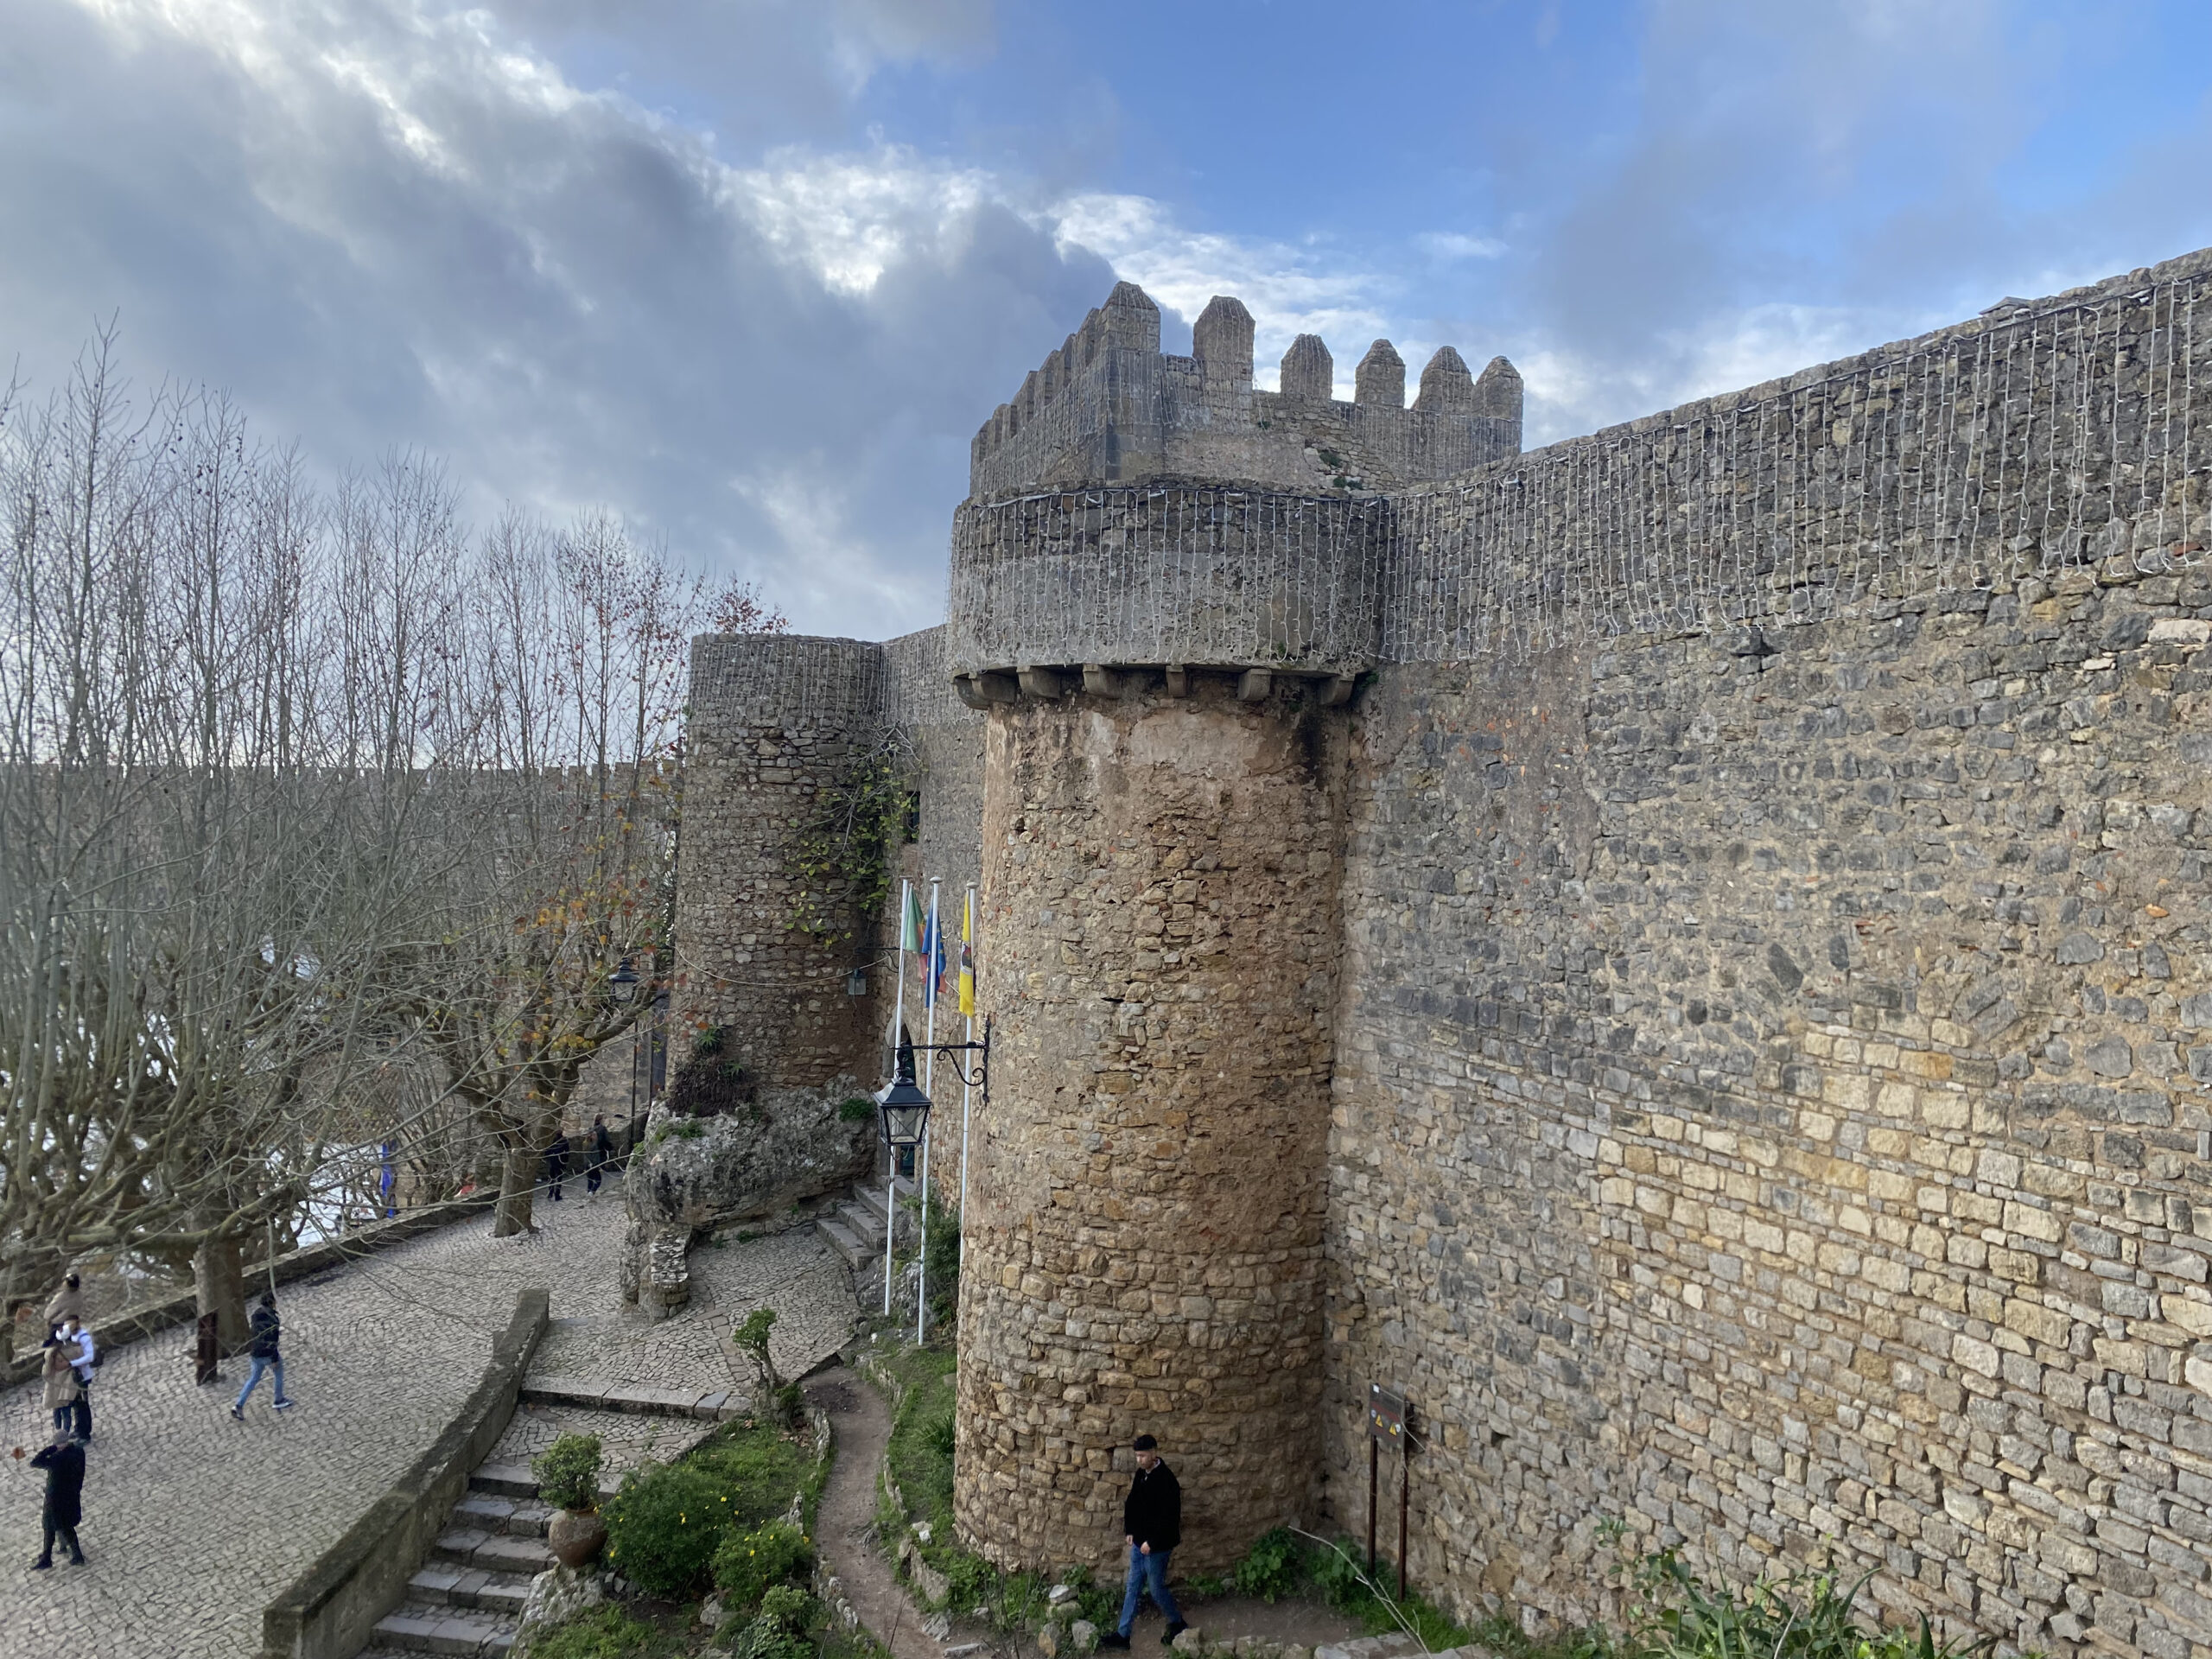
560,296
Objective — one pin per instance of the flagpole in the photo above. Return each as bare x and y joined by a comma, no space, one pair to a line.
890,1152
929,959
967,966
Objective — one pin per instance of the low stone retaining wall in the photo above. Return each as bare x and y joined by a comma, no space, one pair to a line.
183,1308
331,1609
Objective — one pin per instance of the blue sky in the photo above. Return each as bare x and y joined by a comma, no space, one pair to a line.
750,272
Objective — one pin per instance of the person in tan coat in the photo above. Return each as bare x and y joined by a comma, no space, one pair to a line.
61,1385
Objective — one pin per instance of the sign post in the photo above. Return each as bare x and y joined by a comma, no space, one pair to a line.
1386,1425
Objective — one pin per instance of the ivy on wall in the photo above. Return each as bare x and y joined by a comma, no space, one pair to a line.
842,858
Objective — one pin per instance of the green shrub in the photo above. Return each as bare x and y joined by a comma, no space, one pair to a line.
664,1525
567,1472
767,1639
790,1605
603,1633
1271,1569
858,1109
748,1564
941,1267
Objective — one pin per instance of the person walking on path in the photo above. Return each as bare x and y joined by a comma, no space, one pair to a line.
64,1463
267,1330
1152,1525
61,1384
77,1340
556,1162
602,1154
69,1302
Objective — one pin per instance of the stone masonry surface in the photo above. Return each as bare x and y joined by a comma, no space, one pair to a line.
1754,931
1109,408
192,1521
1769,1107
1162,912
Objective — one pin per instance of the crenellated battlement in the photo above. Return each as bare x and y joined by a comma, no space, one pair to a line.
1109,407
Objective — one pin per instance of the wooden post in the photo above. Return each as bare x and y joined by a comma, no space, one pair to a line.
1405,1468
1374,1457
208,1349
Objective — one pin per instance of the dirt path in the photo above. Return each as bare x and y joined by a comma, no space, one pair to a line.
861,1423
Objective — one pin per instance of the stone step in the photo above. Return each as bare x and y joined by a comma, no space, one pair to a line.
491,1551
428,1628
515,1480
507,1479
519,1517
854,1249
870,1199
1392,1646
443,1583
633,1398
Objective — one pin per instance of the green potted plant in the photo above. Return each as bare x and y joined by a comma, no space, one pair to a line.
568,1478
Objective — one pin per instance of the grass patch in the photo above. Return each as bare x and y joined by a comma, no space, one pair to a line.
604,1632
920,1455
1673,1614
919,1458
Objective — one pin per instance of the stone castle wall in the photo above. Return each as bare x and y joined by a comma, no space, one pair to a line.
1771,1107
1769,1022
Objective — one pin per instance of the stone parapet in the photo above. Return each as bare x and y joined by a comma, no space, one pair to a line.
1167,575
1109,407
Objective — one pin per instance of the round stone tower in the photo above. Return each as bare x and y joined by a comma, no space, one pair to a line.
1166,666
1143,1233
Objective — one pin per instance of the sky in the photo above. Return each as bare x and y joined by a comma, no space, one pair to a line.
750,273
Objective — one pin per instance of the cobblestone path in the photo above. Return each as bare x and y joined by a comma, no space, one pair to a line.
193,1521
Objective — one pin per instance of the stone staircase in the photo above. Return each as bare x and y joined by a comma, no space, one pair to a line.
855,1228
467,1598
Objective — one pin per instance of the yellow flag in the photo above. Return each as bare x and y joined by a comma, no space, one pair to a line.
968,957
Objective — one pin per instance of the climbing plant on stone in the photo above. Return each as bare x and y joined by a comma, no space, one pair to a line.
843,857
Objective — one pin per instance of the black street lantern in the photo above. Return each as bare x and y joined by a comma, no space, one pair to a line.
904,1108
622,984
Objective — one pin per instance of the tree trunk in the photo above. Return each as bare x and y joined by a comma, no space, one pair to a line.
218,1283
518,1180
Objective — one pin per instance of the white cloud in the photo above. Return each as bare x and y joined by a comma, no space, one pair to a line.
1290,292
1451,245
850,217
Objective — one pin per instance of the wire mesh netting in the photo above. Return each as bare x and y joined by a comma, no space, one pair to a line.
2041,436
1167,574
2061,435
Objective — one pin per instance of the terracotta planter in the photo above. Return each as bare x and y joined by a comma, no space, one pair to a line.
575,1536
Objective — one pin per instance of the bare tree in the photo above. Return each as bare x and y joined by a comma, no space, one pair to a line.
196,881
578,642
296,791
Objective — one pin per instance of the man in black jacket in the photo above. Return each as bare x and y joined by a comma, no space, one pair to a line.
268,1333
601,1154
1152,1525
556,1162
64,1463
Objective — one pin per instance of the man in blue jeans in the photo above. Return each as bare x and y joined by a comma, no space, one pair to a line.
1152,1525
267,1332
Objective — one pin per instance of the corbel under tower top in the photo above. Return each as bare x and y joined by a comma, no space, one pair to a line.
1109,407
